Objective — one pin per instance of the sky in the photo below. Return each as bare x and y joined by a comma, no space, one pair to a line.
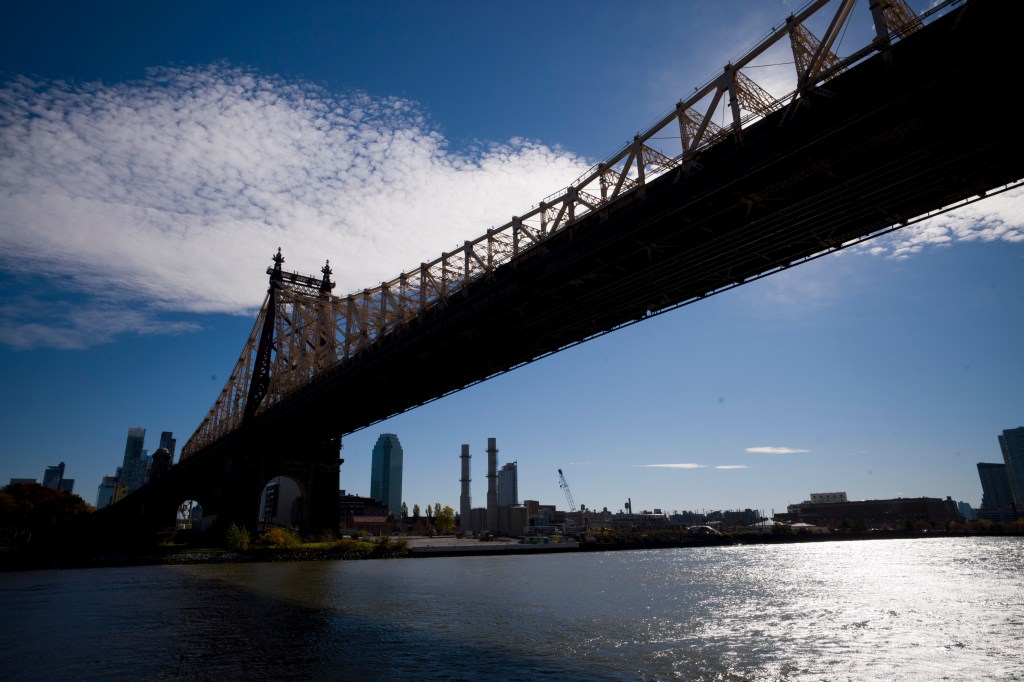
154,156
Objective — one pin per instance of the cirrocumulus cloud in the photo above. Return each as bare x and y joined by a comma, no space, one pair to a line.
170,194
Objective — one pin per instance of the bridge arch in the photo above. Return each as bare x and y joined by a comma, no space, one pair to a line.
282,503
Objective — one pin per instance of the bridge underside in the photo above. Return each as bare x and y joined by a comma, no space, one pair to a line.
228,485
881,144
876,146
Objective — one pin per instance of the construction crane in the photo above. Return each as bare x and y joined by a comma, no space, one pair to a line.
564,485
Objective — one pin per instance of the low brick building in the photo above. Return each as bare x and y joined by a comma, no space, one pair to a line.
875,513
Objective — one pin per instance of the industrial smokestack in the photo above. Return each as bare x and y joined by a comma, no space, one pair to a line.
465,508
492,486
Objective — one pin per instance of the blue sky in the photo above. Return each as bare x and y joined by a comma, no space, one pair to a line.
156,155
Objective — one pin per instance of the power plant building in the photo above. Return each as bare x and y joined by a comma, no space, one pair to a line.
503,514
465,501
508,485
492,486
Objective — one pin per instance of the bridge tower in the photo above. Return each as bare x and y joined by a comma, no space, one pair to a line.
241,447
295,338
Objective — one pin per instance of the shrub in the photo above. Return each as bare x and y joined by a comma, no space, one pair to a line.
280,538
237,537
348,545
386,547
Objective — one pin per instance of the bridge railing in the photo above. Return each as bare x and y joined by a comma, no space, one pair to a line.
314,331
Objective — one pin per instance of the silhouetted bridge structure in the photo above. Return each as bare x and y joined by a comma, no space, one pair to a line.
903,128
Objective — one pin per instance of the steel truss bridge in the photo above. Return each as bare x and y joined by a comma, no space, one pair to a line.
896,131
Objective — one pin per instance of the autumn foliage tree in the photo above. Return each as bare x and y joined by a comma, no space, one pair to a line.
29,511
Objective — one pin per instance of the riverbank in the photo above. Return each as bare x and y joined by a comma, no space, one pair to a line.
414,548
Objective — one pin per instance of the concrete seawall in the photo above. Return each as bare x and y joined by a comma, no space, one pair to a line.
447,546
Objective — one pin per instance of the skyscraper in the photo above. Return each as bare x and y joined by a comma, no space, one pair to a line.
1011,442
53,476
133,470
996,498
508,485
168,441
105,493
386,473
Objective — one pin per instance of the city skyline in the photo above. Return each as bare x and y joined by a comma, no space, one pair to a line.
156,158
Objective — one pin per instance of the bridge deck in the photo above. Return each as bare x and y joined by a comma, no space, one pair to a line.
878,145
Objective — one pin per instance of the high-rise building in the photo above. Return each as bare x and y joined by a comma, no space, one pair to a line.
160,463
268,515
133,470
53,476
67,485
105,493
1011,442
996,498
168,441
386,473
508,485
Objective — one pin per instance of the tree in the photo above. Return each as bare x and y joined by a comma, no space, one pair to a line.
29,510
445,519
415,511
405,510
437,509
237,537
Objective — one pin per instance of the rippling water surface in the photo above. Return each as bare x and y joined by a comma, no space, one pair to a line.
925,609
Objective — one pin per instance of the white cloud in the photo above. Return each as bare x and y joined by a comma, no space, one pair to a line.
999,217
671,466
774,451
172,193
821,284
732,466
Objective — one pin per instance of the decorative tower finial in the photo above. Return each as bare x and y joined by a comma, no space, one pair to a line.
326,284
276,274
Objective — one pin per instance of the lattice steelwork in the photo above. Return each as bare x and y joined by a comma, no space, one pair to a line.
303,329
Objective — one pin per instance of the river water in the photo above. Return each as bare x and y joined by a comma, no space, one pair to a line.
922,609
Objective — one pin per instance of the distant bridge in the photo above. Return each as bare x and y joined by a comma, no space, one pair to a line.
896,131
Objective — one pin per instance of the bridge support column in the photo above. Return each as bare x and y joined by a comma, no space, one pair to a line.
322,480
241,487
